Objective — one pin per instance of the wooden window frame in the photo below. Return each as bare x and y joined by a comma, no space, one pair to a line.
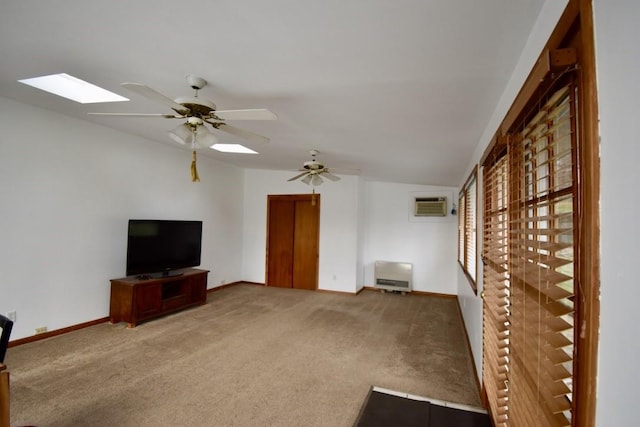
574,35
468,229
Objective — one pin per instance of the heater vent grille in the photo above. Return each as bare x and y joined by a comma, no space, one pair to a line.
393,276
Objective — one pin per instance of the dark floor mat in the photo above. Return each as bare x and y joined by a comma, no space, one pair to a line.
442,416
383,409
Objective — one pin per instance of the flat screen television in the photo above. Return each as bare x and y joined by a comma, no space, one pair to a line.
157,248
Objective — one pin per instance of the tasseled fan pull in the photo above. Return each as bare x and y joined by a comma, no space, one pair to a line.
194,169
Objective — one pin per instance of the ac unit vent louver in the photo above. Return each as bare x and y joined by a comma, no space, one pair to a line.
430,206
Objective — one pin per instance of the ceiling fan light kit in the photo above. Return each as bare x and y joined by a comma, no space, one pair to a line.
196,112
180,133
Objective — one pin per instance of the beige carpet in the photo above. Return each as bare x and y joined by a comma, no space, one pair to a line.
252,356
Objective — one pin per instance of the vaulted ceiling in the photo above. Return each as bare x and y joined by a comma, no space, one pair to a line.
393,90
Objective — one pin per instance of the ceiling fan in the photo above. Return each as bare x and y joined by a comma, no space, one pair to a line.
313,171
196,112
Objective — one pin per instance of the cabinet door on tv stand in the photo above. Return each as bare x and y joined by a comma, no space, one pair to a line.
148,300
198,288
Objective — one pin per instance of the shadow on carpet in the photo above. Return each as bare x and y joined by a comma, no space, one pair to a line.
389,408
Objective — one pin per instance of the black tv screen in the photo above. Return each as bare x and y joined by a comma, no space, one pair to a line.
159,247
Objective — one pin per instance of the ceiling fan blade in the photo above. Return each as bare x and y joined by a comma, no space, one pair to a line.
166,116
154,95
330,176
316,180
298,176
250,114
244,134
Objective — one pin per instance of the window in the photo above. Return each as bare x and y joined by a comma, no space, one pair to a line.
467,229
540,246
528,256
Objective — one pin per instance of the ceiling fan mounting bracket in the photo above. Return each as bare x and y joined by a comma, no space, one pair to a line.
313,165
195,82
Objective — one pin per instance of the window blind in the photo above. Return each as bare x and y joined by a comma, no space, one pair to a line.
467,228
461,229
470,228
541,265
530,190
496,288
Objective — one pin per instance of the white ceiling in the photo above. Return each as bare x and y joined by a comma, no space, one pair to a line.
400,90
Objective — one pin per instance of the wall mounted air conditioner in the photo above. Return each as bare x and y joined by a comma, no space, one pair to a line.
430,206
393,276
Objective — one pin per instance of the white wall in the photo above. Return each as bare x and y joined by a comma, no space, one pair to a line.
618,62
360,222
470,303
67,189
338,261
392,233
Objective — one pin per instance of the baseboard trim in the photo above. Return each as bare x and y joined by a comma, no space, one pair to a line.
55,332
250,283
330,291
227,285
473,362
83,325
414,292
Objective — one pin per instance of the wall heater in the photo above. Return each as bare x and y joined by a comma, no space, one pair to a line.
393,276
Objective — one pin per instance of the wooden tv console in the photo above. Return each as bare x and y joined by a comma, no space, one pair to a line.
134,300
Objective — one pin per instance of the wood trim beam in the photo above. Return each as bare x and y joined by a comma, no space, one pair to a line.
588,314
549,61
56,332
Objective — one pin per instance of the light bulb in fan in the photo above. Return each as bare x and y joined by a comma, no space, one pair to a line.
204,138
181,134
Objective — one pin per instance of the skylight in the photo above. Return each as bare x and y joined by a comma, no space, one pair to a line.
233,148
73,88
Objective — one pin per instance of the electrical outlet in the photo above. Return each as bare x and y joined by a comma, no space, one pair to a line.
41,329
12,316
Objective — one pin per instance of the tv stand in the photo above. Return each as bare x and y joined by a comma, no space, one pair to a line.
160,275
172,273
135,299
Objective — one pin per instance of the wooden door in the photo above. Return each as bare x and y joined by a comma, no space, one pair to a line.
293,241
305,244
280,217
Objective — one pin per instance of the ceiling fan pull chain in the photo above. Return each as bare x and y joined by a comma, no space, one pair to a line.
194,169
